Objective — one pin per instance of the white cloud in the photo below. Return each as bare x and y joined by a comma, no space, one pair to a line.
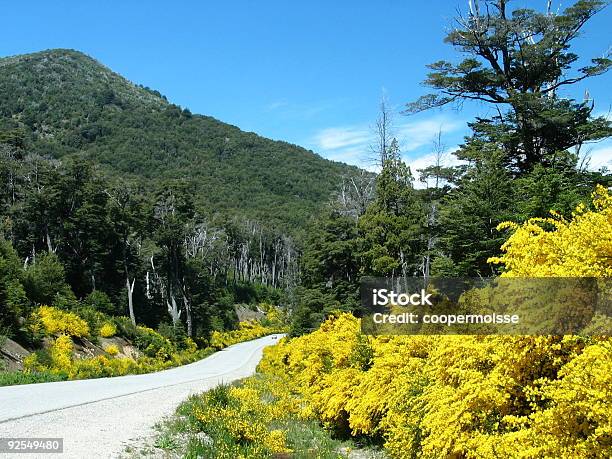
413,136
341,137
421,162
282,103
600,156
352,144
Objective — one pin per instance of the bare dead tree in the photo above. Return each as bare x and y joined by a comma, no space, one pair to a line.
383,131
435,172
356,193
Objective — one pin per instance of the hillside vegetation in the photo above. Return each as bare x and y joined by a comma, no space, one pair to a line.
86,343
64,104
115,199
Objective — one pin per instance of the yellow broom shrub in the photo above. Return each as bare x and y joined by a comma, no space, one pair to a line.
108,330
55,322
112,349
556,247
471,396
61,353
247,330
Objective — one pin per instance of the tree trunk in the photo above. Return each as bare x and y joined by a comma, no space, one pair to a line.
48,239
130,291
188,313
173,310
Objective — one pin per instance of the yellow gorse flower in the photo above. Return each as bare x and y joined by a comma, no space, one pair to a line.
471,396
55,321
555,247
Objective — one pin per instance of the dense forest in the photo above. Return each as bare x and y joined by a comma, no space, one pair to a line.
63,104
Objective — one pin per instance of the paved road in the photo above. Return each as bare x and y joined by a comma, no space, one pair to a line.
100,417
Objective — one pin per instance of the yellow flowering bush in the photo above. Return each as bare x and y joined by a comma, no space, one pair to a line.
112,349
61,352
470,396
275,316
440,396
246,420
159,353
58,359
247,330
259,417
556,247
54,321
108,330
232,414
61,361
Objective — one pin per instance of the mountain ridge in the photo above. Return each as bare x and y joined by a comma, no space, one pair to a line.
68,104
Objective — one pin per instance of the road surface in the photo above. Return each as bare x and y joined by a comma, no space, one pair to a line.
99,418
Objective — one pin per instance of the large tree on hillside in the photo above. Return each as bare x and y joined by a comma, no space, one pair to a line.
126,211
517,61
173,215
392,227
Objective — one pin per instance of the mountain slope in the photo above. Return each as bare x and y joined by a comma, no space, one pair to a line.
68,104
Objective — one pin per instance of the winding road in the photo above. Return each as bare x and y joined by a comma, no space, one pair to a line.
99,418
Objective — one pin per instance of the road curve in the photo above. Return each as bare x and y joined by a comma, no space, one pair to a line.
100,417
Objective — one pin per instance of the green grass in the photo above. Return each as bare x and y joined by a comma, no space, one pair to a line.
13,378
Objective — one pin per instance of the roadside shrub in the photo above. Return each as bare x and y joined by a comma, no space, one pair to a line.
13,378
556,247
95,319
108,330
176,334
152,344
470,396
125,327
159,352
247,330
38,361
240,422
53,321
102,366
61,353
441,396
112,349
275,316
258,417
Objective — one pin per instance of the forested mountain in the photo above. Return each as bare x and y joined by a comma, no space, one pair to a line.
113,199
63,103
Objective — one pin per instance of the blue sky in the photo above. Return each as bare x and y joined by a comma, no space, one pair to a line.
310,72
